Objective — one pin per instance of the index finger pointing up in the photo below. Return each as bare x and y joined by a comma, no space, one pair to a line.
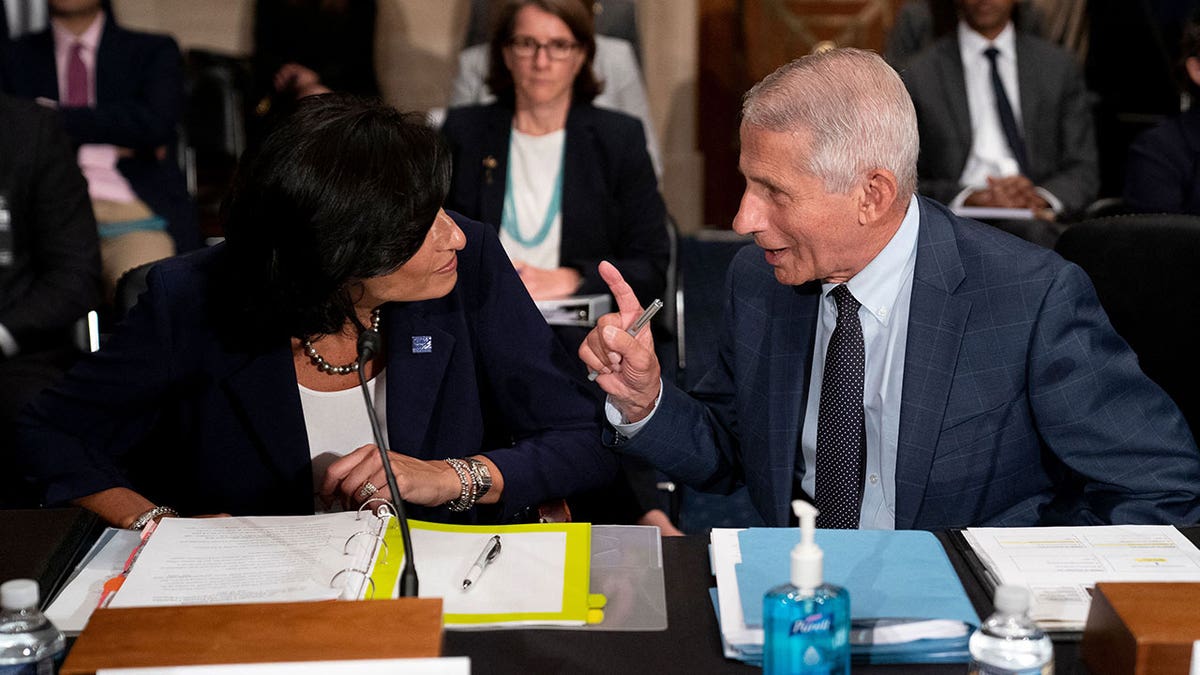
627,302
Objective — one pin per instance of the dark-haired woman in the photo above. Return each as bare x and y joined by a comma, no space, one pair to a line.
231,388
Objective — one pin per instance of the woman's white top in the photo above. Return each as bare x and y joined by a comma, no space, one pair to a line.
534,163
337,425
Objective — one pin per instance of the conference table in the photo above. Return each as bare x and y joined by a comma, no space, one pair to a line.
692,642
46,545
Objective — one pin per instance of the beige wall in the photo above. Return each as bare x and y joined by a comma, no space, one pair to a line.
416,47
220,25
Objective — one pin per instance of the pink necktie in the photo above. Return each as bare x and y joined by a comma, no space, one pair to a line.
77,78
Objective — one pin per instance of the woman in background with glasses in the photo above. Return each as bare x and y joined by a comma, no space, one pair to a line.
567,184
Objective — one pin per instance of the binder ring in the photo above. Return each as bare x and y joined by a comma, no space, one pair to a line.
354,569
383,504
378,537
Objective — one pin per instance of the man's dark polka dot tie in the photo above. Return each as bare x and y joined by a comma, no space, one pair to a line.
841,432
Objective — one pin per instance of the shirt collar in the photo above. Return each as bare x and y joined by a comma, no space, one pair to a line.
877,285
972,43
90,38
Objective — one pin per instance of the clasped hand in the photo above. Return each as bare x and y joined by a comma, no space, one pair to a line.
629,370
1008,192
548,284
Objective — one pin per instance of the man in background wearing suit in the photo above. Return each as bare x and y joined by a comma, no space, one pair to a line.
119,94
1004,117
903,367
49,265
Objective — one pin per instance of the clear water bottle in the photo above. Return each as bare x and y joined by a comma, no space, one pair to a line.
1009,642
29,643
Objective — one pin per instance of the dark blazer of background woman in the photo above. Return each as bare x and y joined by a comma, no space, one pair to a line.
611,207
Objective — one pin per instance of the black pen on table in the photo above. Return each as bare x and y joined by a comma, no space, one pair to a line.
490,551
634,329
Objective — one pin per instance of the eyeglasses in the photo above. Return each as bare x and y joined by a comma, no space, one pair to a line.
526,47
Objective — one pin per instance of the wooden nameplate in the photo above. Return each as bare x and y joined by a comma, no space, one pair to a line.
1141,628
259,633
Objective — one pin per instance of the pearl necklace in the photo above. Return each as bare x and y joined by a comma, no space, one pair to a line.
327,367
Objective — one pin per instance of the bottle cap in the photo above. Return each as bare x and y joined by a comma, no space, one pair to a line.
1011,599
808,560
19,594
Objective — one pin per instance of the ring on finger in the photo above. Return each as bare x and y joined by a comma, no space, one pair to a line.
368,488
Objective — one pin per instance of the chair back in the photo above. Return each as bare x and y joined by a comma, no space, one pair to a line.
704,258
666,322
1146,269
217,88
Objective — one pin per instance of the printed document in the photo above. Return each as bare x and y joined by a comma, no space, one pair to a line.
1060,565
202,561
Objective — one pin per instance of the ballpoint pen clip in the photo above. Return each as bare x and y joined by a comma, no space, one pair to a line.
489,553
635,328
493,548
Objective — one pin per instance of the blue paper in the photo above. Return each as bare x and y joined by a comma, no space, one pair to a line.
889,573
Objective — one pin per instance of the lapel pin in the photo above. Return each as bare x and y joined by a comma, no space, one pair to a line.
489,163
422,344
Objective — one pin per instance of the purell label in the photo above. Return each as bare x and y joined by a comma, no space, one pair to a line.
813,623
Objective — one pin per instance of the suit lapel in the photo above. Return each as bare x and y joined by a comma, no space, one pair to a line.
936,323
275,419
577,164
495,148
790,350
1026,78
105,71
955,82
419,350
45,74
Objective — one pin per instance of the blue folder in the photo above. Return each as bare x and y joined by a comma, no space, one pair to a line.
889,574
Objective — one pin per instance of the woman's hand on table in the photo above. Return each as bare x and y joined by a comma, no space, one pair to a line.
359,476
549,284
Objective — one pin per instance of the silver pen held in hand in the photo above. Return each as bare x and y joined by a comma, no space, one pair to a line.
634,328
490,551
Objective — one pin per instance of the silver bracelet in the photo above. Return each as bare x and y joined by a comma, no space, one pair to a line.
482,477
156,512
466,497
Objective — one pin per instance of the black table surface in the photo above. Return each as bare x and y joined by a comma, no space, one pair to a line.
44,544
47,544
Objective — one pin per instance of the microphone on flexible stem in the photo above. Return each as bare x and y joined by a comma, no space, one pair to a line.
369,344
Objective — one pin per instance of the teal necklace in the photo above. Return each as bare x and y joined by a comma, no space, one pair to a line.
508,216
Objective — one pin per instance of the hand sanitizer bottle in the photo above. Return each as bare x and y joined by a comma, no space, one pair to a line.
806,623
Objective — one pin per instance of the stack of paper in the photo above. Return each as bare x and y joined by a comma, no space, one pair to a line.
906,602
210,561
1059,565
